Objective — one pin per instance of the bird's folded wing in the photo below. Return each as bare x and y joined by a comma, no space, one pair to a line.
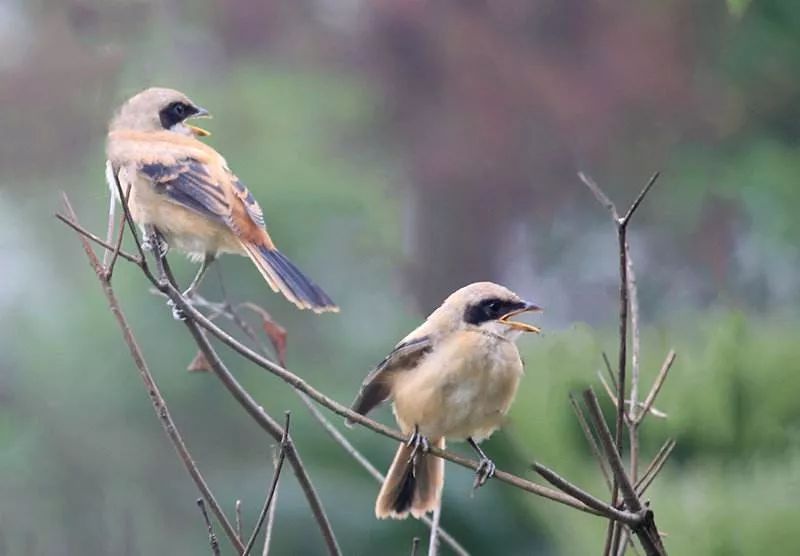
213,192
376,388
189,183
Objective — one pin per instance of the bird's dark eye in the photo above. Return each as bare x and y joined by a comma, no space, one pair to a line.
175,113
485,310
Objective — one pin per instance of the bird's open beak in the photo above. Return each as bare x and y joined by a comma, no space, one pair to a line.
199,131
525,327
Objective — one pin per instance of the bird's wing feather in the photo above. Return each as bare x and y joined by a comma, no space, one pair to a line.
189,182
376,388
212,191
250,204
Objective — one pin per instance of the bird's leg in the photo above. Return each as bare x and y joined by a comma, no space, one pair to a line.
207,260
417,443
486,467
154,241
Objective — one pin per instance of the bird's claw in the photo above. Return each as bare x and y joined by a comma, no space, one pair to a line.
177,312
485,471
417,443
154,242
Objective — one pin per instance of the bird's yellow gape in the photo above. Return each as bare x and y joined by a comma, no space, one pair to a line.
524,326
198,131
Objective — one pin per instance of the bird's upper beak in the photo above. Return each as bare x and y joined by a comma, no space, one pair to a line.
196,130
525,327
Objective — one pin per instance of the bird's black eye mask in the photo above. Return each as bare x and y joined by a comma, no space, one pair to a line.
492,308
175,113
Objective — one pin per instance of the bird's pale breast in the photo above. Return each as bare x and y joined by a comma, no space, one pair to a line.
464,388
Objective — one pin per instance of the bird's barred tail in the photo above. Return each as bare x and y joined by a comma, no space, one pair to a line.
282,275
411,487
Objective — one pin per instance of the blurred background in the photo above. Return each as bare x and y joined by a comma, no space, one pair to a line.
401,149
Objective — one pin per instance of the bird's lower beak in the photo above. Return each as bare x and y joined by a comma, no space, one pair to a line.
525,327
196,130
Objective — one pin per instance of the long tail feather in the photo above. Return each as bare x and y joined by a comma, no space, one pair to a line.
283,276
411,487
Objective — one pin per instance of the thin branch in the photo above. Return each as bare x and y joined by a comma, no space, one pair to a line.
609,370
621,225
212,538
601,197
118,245
112,207
265,421
611,453
659,382
433,542
655,467
646,529
89,235
238,511
270,524
587,432
633,424
639,198
633,297
602,507
414,546
611,395
159,404
272,488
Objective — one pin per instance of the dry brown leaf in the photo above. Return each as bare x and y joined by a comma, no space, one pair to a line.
275,332
199,364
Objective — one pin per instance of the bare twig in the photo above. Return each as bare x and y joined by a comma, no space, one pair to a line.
633,296
602,507
645,530
212,538
433,542
159,404
272,487
270,524
611,395
265,421
621,224
655,467
639,198
587,432
659,382
118,245
611,453
238,511
112,206
89,235
609,370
